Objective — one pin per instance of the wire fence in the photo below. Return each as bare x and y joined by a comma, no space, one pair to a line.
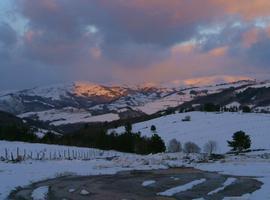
20,154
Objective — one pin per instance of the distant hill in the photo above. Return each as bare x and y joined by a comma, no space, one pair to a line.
80,102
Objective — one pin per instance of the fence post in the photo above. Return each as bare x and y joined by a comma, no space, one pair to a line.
18,152
6,153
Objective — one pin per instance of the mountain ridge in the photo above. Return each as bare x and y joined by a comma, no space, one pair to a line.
84,102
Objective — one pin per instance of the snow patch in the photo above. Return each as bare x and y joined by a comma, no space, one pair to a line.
147,183
84,192
228,182
40,193
181,188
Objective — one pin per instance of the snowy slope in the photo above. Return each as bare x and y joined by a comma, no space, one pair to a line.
209,126
69,116
107,103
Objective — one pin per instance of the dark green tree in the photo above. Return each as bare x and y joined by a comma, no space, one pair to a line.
210,107
157,144
240,141
246,109
128,127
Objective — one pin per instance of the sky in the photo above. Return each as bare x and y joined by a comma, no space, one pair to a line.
45,42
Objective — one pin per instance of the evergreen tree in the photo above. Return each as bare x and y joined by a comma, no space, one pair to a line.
240,141
157,144
128,127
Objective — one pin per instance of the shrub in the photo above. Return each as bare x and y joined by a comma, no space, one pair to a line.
240,141
153,128
246,109
191,147
210,147
174,146
210,107
186,119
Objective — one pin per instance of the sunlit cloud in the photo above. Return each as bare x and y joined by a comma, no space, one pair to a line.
133,41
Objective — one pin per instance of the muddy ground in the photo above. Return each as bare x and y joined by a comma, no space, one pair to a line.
128,186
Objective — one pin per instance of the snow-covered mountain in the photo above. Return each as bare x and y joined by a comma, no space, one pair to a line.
86,102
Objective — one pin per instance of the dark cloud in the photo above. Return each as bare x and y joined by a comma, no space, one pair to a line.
259,53
106,40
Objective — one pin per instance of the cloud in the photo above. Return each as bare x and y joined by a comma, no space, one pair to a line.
134,41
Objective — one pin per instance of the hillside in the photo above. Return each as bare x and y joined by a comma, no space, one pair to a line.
209,126
80,102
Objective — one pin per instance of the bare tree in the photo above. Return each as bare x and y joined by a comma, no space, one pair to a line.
210,147
191,147
174,146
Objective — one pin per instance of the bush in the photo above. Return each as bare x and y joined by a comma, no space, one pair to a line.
240,141
191,147
174,146
186,119
246,109
210,107
153,128
210,147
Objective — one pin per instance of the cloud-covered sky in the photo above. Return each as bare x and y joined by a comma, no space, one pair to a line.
132,41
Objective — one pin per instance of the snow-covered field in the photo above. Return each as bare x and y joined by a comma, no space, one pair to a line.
87,162
48,161
209,126
248,165
69,115
23,173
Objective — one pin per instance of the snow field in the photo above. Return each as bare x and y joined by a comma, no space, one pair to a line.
209,126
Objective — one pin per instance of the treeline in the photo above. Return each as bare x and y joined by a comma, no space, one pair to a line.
16,132
97,137
93,137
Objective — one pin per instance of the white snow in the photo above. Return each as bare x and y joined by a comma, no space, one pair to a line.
209,126
148,182
71,190
33,169
69,115
228,182
244,166
40,193
201,128
233,104
84,192
265,84
181,188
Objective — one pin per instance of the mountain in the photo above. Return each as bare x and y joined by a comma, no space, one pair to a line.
83,102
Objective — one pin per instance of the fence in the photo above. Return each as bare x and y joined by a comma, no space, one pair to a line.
20,154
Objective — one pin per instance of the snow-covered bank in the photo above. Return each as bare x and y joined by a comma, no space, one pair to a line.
13,175
26,172
245,165
36,151
209,126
